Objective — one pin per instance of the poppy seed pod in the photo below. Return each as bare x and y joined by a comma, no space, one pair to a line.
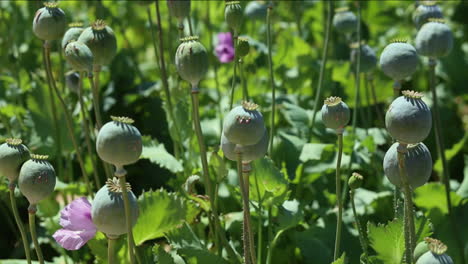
244,125
79,56
408,119
233,15
72,34
191,60
118,142
436,253
426,10
434,39
256,9
180,9
49,22
399,60
36,179
355,181
12,155
368,57
344,21
101,40
418,164
421,248
243,47
249,153
335,113
108,211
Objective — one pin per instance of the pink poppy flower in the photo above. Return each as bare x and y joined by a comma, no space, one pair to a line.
225,48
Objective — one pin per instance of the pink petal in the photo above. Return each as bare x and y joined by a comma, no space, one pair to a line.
225,53
225,38
77,215
73,240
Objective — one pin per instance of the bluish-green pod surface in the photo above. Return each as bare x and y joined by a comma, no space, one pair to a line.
79,56
434,40
426,10
119,143
249,153
345,21
244,125
179,9
50,22
191,60
12,155
433,258
368,58
108,211
421,248
418,164
399,60
335,113
36,179
256,10
72,34
101,40
408,119
233,15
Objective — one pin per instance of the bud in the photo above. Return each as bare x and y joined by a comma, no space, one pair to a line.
243,47
355,181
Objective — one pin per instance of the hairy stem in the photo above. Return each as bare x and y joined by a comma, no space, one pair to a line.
111,259
245,207
272,80
94,79
246,168
128,216
362,239
233,84
32,227
19,223
260,223
339,218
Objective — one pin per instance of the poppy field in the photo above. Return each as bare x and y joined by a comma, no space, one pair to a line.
211,132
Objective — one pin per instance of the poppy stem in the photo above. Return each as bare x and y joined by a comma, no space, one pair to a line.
19,223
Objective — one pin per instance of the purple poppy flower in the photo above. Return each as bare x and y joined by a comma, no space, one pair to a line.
78,227
225,48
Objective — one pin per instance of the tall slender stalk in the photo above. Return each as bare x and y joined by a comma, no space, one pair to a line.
190,25
260,223
245,91
32,228
246,168
111,250
272,79
339,218
87,132
370,80
121,174
396,88
362,239
233,83
94,79
68,118
19,223
409,228
245,207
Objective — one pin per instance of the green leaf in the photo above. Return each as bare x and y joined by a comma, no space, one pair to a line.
431,196
341,260
271,183
158,154
313,151
450,153
290,214
161,212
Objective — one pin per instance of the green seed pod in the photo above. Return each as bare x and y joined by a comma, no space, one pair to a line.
418,163
420,249
426,10
368,57
249,153
79,56
233,15
335,113
256,10
399,60
101,41
436,253
191,60
344,20
180,9
36,179
408,119
12,155
243,47
49,22
108,211
118,142
72,34
434,39
355,181
244,125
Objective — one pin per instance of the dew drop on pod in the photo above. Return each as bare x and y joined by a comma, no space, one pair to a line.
191,60
408,118
436,253
434,39
180,9
399,60
36,179
256,9
344,21
100,39
418,164
426,10
249,153
12,155
335,114
244,125
108,212
119,142
72,34
79,56
233,15
368,57
49,22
